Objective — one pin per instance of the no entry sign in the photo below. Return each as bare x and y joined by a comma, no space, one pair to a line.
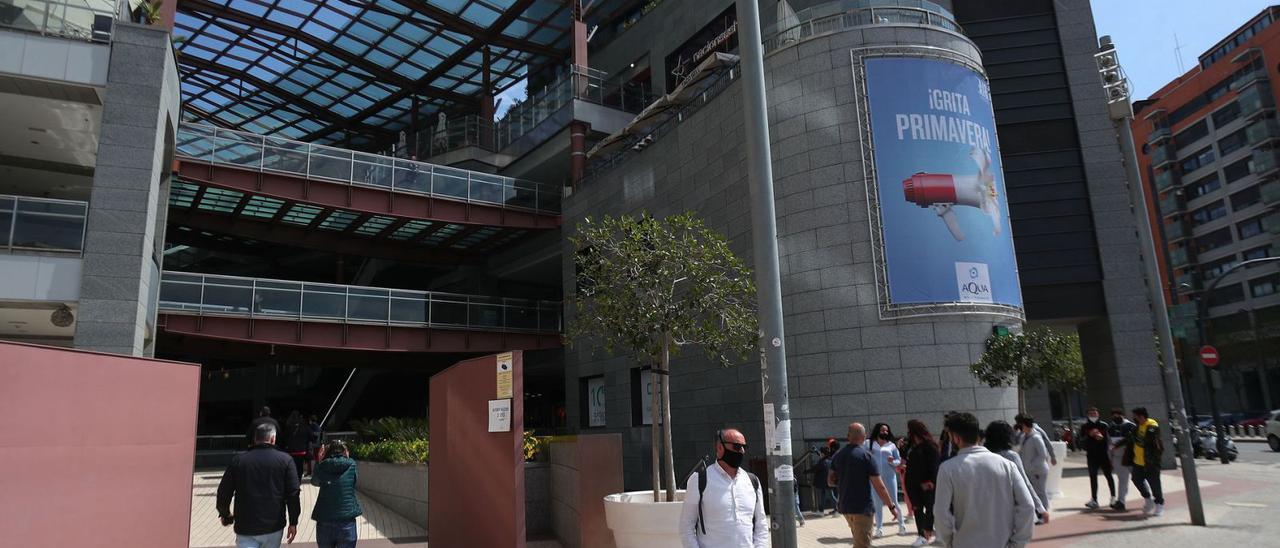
1209,355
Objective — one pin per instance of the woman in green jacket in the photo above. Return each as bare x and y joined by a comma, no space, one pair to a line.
336,506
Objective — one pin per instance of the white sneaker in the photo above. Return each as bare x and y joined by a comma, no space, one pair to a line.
1092,505
920,541
902,531
1148,506
1159,510
879,532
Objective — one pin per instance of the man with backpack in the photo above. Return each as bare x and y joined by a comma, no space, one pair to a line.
854,473
723,505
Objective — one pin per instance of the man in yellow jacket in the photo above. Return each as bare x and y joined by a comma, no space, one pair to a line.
1143,457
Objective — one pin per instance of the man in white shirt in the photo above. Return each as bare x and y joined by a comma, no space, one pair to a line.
729,511
982,500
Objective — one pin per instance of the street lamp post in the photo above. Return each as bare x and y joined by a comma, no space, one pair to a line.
1202,318
1116,87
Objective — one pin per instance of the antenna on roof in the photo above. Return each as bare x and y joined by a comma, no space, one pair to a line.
1177,54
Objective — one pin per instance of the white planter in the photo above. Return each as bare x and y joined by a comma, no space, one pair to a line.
638,522
1055,471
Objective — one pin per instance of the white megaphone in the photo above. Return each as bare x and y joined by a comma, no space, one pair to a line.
943,191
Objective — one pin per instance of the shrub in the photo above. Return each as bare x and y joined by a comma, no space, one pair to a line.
393,451
392,428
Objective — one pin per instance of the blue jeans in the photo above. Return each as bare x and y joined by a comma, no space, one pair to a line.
269,540
826,494
336,534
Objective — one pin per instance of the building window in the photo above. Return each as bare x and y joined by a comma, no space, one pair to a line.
1215,210
1231,143
1202,157
1226,115
1192,134
1213,240
1261,252
1233,293
1250,228
1216,268
1236,171
1246,197
592,401
642,387
1264,286
1203,186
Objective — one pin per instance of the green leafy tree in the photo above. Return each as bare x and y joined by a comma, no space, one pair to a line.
1038,357
651,286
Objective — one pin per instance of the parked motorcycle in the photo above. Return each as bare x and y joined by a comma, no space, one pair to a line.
1206,445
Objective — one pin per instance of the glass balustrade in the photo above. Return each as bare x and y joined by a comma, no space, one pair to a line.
257,152
1262,131
90,20
1270,192
1254,100
1179,257
836,16
1158,135
1175,231
1263,162
1170,205
1166,179
1161,155
42,224
234,296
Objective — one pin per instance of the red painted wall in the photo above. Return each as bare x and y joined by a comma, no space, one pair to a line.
97,448
476,478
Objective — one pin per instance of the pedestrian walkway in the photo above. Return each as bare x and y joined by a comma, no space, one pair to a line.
378,522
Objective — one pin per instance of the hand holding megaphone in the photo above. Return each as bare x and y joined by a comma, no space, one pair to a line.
942,191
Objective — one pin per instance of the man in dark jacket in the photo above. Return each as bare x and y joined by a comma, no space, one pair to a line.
1143,455
1121,430
1093,438
263,483
264,417
336,505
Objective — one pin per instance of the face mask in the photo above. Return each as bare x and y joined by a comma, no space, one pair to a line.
1093,419
884,435
732,458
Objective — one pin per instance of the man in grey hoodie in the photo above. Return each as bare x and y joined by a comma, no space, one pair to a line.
1044,436
1035,460
982,500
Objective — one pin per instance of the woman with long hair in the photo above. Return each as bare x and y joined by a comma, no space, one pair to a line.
884,452
999,440
921,477
336,505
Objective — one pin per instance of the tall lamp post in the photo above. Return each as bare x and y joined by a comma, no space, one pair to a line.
1202,318
1116,87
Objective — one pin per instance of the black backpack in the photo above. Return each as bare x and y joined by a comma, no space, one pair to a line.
702,486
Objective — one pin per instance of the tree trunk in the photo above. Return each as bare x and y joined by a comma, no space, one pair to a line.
668,455
654,409
1022,400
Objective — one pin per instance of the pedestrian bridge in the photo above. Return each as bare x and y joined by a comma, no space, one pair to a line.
348,317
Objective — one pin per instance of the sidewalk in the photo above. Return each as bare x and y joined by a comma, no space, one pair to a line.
1239,505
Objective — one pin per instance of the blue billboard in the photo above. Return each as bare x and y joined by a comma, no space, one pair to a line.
943,208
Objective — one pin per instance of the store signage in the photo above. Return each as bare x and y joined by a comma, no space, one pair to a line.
595,402
721,34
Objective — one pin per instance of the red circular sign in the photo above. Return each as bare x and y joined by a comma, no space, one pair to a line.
1209,355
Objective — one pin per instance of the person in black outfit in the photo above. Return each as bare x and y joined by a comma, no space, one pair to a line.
1094,440
297,440
263,483
820,469
264,417
920,477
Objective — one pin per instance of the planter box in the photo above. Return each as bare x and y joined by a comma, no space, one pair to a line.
402,488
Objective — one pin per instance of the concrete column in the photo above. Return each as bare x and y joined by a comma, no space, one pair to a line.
127,204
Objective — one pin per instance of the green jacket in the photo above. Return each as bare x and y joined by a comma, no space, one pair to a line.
336,477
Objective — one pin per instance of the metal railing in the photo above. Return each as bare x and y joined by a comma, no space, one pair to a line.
42,224
252,151
90,20
207,294
581,83
846,14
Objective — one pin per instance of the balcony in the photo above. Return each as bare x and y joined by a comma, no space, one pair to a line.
84,20
1161,156
1159,134
831,17
1262,131
1272,223
1246,80
1171,204
1270,192
1179,257
1255,100
1176,231
41,225
1165,180
1263,163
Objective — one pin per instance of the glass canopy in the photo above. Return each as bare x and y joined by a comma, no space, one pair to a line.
349,72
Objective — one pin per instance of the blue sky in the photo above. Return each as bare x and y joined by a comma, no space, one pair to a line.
1143,31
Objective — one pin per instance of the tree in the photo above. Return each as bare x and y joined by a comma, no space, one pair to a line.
651,286
1039,357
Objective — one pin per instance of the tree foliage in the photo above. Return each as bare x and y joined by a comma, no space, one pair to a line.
1036,358
641,278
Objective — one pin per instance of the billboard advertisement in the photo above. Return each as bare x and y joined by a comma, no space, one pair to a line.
943,208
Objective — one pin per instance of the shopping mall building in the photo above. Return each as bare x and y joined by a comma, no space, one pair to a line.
322,197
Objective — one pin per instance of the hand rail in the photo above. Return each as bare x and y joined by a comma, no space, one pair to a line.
42,225
263,153
843,15
88,20
209,294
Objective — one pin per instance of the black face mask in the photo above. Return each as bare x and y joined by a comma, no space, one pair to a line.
884,435
732,458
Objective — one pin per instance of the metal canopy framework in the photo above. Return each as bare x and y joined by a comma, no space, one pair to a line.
353,71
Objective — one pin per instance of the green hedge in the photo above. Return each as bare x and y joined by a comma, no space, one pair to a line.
394,451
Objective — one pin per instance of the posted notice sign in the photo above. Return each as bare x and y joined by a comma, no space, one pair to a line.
504,375
500,415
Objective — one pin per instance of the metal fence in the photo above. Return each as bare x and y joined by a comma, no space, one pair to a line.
207,294
42,224
263,153
90,20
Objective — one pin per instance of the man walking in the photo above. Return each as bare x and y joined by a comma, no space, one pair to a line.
264,417
1035,460
263,483
1144,452
724,506
1118,434
1096,445
981,501
1044,436
854,473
